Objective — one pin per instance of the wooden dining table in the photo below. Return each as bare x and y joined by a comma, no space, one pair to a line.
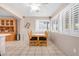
38,35
38,39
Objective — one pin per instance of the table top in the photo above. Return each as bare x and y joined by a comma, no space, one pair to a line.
39,34
4,34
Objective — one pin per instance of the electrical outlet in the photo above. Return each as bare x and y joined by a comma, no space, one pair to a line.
74,50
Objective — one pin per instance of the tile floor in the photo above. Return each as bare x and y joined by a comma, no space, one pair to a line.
20,48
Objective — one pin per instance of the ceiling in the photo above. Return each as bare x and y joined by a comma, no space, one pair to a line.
46,10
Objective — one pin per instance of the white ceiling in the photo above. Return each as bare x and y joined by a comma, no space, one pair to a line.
22,10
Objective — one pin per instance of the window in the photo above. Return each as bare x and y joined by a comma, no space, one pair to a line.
67,25
57,23
42,25
53,25
75,17
67,20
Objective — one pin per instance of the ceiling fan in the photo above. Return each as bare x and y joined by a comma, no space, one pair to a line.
36,6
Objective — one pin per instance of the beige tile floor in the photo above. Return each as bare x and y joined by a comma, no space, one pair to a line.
20,48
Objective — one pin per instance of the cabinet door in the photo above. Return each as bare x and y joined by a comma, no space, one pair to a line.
7,22
11,22
2,22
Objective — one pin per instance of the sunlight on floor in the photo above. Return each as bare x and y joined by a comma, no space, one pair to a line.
19,48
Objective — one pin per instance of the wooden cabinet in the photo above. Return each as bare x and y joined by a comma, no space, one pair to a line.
8,26
11,37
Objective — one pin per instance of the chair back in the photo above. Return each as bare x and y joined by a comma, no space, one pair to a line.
46,33
30,34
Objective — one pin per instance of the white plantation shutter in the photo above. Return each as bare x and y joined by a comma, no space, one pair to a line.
75,17
67,26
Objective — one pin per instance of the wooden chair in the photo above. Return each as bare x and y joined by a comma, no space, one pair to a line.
32,39
43,40
46,34
30,34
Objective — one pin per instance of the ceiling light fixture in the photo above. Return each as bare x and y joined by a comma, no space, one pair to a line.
34,6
